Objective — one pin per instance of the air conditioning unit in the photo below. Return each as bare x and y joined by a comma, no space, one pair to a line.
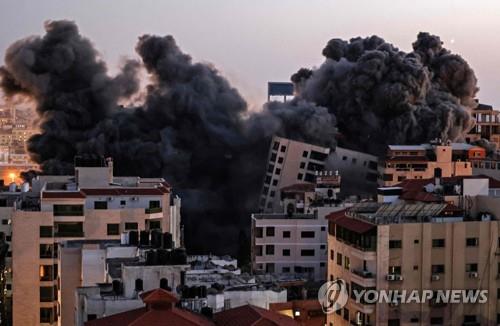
398,277
435,277
473,274
390,277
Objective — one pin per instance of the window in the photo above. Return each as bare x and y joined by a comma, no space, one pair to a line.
154,204
471,268
339,259
113,229
258,251
322,247
270,268
278,171
300,176
47,293
272,193
436,320
270,231
48,251
305,154
280,160
416,241
470,318
68,210
123,202
310,177
347,262
46,272
91,317
154,225
472,242
302,165
346,314
394,244
5,222
47,315
270,250
438,243
285,269
139,285
270,168
283,149
307,252
286,234
323,228
276,145
273,157
275,182
315,167
354,160
332,256
258,232
131,226
68,229
318,156
393,322
46,231
100,205
307,234
415,267
286,252
437,269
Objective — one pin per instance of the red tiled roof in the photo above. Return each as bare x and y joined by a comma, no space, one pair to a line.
252,316
299,187
62,194
158,312
124,191
350,223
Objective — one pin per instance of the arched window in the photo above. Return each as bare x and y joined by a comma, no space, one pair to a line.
138,285
164,284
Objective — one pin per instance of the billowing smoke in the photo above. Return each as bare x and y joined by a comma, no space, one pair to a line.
194,129
381,95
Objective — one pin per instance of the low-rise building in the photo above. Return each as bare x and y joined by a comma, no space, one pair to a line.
487,125
421,161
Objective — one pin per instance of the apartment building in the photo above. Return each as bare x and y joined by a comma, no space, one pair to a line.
294,241
425,234
487,125
289,162
421,161
91,205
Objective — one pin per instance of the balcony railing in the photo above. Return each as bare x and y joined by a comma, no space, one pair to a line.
363,273
73,234
153,210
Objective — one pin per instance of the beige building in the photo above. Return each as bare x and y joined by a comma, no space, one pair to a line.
423,161
433,234
487,125
92,205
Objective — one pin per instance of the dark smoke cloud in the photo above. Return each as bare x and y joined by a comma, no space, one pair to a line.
193,128
381,95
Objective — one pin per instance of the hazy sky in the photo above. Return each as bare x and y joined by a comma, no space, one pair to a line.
256,41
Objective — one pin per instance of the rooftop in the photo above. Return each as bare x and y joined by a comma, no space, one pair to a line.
250,315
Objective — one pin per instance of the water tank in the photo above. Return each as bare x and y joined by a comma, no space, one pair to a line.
156,237
151,258
12,187
167,240
144,238
133,238
124,239
25,187
162,256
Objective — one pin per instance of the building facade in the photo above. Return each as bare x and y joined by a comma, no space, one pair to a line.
433,234
92,205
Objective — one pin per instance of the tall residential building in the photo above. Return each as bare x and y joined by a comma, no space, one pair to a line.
425,234
421,161
487,125
289,162
93,204
293,241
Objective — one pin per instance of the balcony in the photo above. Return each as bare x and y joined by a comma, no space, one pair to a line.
153,212
64,234
363,277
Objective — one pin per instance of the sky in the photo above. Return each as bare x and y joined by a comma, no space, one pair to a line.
253,42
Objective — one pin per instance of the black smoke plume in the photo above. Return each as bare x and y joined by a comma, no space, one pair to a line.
194,129
381,95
